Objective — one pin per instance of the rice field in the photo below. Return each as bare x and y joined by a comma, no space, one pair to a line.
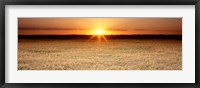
115,54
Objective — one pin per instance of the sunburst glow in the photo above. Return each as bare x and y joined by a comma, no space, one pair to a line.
99,34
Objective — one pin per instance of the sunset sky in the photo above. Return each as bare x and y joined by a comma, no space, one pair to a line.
88,26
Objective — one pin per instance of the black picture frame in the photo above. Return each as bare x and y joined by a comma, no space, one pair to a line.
99,2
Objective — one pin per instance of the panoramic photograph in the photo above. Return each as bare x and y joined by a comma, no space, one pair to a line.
99,43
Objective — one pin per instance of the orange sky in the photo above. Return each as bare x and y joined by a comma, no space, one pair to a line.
63,26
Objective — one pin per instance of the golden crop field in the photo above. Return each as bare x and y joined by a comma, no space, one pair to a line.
115,54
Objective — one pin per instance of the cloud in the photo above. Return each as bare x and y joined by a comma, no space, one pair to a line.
141,29
158,30
118,29
51,29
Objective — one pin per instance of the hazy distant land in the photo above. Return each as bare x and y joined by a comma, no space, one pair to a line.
146,36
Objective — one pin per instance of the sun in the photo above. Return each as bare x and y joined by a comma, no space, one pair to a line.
99,32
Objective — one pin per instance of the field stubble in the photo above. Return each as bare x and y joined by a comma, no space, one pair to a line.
116,54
